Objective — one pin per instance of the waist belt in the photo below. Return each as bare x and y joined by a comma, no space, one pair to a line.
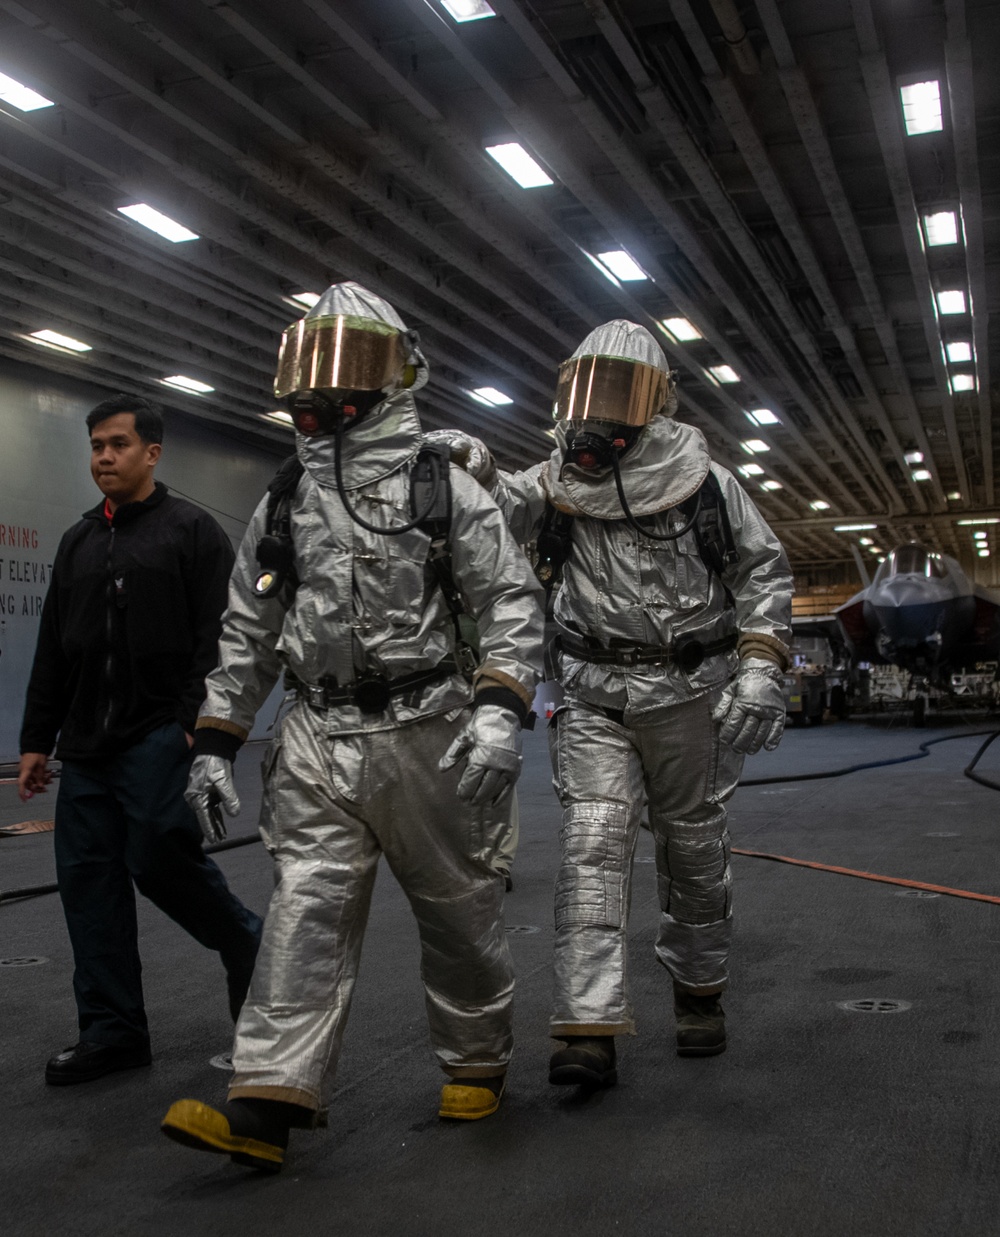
370,693
688,652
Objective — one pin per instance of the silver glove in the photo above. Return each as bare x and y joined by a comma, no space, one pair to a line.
491,742
210,783
470,454
752,707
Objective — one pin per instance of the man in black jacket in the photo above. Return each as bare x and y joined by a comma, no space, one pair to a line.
129,631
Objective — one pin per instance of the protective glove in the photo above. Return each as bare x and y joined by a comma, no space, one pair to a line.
210,783
470,454
491,741
752,707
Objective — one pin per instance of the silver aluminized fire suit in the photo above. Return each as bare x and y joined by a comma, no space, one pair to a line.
343,787
626,734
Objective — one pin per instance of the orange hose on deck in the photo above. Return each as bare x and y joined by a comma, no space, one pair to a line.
871,876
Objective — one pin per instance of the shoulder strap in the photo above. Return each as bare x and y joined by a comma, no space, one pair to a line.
282,489
275,552
432,469
554,545
712,529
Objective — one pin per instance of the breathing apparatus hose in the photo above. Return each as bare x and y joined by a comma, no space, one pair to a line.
338,472
634,524
10,895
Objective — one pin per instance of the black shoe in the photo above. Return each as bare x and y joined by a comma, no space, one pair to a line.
86,1061
253,1132
585,1061
701,1024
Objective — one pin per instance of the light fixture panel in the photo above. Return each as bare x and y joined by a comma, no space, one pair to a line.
941,228
922,107
723,373
622,265
519,165
467,10
681,330
157,222
951,301
20,96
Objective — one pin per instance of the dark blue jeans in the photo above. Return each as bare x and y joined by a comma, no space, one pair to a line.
124,819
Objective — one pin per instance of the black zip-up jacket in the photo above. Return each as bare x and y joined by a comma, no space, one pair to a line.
130,627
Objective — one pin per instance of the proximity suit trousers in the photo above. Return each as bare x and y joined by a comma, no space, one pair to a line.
333,805
123,819
605,766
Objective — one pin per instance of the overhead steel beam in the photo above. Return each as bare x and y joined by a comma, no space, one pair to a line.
958,61
886,114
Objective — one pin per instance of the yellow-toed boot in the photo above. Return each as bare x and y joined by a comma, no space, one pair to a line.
252,1132
469,1101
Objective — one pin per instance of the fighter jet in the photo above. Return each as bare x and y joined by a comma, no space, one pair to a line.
922,613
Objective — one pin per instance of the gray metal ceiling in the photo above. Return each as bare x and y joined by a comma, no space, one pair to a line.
750,157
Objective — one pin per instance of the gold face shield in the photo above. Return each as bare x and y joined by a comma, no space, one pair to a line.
604,388
340,353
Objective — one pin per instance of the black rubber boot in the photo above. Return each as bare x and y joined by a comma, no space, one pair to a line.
251,1131
584,1061
701,1024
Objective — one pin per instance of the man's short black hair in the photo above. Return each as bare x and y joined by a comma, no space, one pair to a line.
148,416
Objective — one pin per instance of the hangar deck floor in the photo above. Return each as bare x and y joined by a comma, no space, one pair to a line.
816,1121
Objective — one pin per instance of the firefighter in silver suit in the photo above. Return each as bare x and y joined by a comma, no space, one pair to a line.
671,657
398,742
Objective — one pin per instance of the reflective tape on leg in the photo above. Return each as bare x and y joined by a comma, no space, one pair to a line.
590,886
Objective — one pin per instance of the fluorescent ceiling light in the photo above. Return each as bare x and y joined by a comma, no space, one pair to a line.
771,485
958,352
157,222
603,269
468,10
723,373
52,339
755,446
622,266
922,107
983,519
187,384
921,474
490,396
980,534
875,549
751,470
913,457
865,541
300,299
279,415
680,329
954,496
820,505
22,97
963,382
763,416
951,302
942,228
983,553
881,558
853,528
518,164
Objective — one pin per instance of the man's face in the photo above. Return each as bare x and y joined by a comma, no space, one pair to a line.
120,462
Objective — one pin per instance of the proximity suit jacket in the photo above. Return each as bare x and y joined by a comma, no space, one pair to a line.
129,628
369,603
621,588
